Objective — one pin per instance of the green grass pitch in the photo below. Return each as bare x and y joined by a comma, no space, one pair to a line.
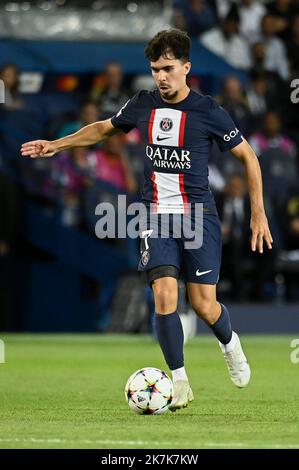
66,391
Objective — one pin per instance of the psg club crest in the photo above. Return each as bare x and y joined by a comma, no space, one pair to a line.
166,124
145,257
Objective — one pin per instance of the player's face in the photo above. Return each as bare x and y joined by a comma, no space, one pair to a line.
170,77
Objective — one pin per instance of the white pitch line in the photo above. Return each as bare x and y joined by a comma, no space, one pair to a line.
141,443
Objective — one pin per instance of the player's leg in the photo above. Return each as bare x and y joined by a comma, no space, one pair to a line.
167,321
161,259
163,280
201,266
203,300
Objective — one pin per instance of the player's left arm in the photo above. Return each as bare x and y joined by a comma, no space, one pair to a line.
259,222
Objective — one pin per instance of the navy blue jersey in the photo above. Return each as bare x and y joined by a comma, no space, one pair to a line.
178,139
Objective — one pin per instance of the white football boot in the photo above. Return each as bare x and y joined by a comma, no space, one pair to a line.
237,364
182,395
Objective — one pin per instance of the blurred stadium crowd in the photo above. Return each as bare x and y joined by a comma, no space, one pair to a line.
260,38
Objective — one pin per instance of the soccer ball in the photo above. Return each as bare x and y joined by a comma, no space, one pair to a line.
149,391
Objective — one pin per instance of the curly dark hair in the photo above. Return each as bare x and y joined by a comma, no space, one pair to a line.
172,42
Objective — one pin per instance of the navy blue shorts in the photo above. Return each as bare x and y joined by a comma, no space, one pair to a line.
195,264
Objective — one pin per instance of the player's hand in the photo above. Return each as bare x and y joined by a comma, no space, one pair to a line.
38,148
260,232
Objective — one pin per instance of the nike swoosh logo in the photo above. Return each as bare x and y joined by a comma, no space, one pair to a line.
203,272
162,138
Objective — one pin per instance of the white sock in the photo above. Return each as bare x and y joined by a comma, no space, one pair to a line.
179,374
230,346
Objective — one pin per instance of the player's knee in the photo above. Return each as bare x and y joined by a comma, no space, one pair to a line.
165,294
165,301
206,309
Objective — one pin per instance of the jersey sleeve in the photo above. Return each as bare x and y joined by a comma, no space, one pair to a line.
222,128
125,119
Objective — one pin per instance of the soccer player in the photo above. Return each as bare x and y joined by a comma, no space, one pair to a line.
178,126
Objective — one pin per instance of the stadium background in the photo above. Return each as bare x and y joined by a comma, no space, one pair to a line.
67,63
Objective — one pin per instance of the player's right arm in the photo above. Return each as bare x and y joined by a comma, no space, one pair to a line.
88,135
